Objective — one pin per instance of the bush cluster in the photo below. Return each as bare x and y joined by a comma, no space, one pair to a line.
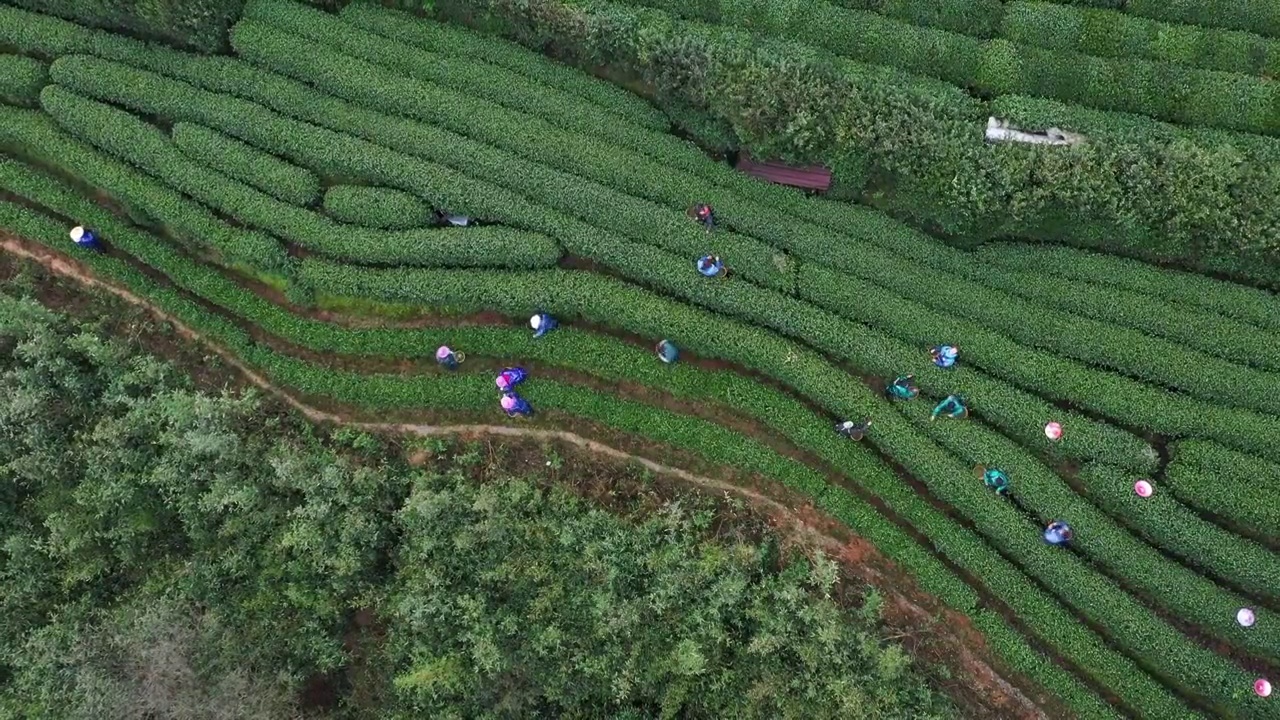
1195,204
1228,484
601,355
1110,34
21,78
376,207
251,166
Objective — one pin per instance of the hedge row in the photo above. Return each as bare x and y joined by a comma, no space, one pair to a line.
1237,487
785,413
1181,661
600,206
144,145
21,78
1257,307
386,163
1141,566
1193,327
998,67
1257,16
534,84
1134,404
975,18
33,134
452,41
1173,527
1162,363
1107,33
262,170
1018,413
597,160
1129,351
376,207
1140,197
199,25
946,100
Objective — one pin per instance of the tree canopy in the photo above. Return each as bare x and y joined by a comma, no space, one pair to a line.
166,553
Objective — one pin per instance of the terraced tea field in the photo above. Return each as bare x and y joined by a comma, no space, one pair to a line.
268,198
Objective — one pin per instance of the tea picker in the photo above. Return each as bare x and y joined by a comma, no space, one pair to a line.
711,266
703,213
995,479
945,356
542,324
85,238
449,359
951,406
1058,533
903,388
509,378
515,406
667,351
853,430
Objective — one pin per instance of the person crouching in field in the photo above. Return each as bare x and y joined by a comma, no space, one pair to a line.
515,406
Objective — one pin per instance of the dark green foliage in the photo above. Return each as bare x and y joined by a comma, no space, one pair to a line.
1256,16
128,137
196,556
1112,34
376,207
1202,205
199,25
264,171
21,79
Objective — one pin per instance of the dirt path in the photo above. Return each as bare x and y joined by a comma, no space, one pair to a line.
930,630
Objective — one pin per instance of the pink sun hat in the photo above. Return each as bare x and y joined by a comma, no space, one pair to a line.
443,352
501,382
1246,617
1053,431
1262,687
508,402
1143,489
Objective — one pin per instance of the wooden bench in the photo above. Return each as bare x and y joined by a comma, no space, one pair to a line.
814,177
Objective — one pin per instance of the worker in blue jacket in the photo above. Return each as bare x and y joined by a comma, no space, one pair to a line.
542,324
85,238
711,266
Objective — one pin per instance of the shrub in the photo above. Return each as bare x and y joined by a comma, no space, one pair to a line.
503,342
1107,33
975,18
452,41
935,169
1175,528
1179,368
21,79
376,207
1246,304
128,137
199,25
264,171
1231,485
1010,531
1257,16
35,136
1062,629
387,164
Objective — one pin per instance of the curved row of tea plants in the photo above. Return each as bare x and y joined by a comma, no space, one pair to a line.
601,355
1131,404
